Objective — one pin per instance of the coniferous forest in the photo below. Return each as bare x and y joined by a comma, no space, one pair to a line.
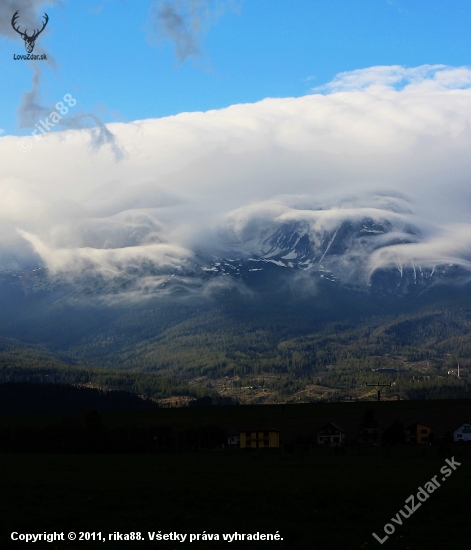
249,350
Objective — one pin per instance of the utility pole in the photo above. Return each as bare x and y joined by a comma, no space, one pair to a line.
379,388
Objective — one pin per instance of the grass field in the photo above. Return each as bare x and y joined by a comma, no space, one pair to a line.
316,499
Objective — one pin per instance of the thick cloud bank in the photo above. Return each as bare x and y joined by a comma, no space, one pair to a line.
383,143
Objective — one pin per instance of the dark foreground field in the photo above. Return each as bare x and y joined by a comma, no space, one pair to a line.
316,500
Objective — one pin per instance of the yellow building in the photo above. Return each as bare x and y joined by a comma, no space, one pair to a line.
259,437
419,434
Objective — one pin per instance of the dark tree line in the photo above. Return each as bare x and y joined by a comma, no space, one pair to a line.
26,398
73,435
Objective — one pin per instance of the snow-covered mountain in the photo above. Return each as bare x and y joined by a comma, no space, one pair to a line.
338,246
362,248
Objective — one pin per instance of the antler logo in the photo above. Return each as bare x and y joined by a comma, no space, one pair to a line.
29,40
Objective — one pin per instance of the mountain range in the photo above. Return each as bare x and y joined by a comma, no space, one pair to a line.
285,301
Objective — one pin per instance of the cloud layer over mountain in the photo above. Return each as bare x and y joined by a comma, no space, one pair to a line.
385,142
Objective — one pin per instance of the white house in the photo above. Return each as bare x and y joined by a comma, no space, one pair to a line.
463,433
330,434
233,440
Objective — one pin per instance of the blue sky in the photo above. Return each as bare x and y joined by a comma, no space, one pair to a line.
114,60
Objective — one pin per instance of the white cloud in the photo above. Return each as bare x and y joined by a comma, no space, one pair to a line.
110,262
402,133
452,246
433,77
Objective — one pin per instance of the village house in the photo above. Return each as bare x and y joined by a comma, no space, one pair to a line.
463,433
330,434
368,432
258,437
419,434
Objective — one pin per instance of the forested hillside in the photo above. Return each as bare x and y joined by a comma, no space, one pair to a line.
269,347
22,363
